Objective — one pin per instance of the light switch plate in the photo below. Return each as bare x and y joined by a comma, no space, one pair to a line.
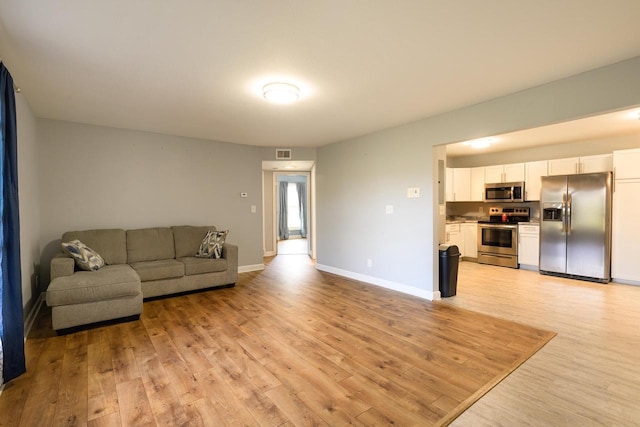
388,209
413,193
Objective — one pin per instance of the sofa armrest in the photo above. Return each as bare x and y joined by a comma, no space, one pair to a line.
62,265
230,253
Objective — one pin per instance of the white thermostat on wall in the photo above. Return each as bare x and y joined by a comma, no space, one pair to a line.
243,194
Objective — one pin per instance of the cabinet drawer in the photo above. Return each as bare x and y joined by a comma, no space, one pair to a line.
452,228
529,229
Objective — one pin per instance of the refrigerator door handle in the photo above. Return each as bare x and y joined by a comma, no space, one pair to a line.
564,213
569,215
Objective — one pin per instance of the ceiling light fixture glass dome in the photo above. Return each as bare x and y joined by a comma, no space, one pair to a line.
280,93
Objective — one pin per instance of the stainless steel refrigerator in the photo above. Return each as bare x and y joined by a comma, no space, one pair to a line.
575,226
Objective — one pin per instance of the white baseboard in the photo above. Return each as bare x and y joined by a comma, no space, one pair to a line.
269,253
405,289
626,282
31,317
247,268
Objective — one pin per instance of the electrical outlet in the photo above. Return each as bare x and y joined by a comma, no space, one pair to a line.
388,209
369,262
481,209
253,209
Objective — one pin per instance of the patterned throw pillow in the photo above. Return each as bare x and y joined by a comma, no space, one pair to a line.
211,246
85,257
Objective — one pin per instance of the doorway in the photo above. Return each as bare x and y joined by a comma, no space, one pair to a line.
292,213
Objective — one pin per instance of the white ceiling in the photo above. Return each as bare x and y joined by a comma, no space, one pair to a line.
194,68
606,125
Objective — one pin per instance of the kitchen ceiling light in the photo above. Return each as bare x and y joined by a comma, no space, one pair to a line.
280,93
480,143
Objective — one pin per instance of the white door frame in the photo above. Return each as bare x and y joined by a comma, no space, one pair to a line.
311,223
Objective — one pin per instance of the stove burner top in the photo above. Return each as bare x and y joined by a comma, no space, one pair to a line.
500,215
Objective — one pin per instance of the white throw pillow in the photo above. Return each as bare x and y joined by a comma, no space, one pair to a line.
211,246
85,257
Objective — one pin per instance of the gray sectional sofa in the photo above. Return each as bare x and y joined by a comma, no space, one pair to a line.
141,263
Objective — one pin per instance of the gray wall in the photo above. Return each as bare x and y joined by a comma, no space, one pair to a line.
99,177
356,178
29,195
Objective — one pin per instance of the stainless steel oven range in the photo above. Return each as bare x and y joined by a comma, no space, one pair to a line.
498,237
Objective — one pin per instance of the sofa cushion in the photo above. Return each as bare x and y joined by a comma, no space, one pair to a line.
193,265
150,244
188,238
111,281
158,270
111,244
85,257
211,246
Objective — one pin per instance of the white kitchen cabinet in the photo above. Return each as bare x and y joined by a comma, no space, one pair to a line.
626,163
625,232
599,163
454,237
513,172
564,166
625,241
458,188
477,184
461,184
449,185
534,171
587,164
470,235
529,246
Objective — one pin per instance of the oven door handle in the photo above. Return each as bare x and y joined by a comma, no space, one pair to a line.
499,225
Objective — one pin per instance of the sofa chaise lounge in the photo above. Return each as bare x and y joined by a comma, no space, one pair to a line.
142,263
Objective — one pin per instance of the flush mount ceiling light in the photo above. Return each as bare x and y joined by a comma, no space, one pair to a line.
480,143
280,93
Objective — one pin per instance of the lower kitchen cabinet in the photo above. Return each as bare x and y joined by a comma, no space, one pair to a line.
625,267
454,237
529,246
470,236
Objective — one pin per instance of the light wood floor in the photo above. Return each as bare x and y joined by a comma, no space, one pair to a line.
589,374
286,346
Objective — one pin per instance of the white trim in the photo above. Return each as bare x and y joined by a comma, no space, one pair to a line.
625,282
31,317
248,268
405,289
269,253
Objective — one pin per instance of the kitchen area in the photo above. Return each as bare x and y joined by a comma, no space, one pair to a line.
565,216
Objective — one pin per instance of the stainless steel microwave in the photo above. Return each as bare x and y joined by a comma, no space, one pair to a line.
504,192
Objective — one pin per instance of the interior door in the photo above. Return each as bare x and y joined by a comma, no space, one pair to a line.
553,240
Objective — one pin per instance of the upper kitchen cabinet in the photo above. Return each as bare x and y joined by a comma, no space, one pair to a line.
458,184
588,164
626,164
477,184
534,171
449,185
513,172
592,164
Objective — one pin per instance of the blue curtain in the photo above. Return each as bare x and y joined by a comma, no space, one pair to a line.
302,202
283,223
12,325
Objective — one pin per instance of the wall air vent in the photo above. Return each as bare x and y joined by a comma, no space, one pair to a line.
283,154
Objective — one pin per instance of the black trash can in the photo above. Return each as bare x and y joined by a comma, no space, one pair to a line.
449,259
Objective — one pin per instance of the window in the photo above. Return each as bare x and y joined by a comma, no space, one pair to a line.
293,207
